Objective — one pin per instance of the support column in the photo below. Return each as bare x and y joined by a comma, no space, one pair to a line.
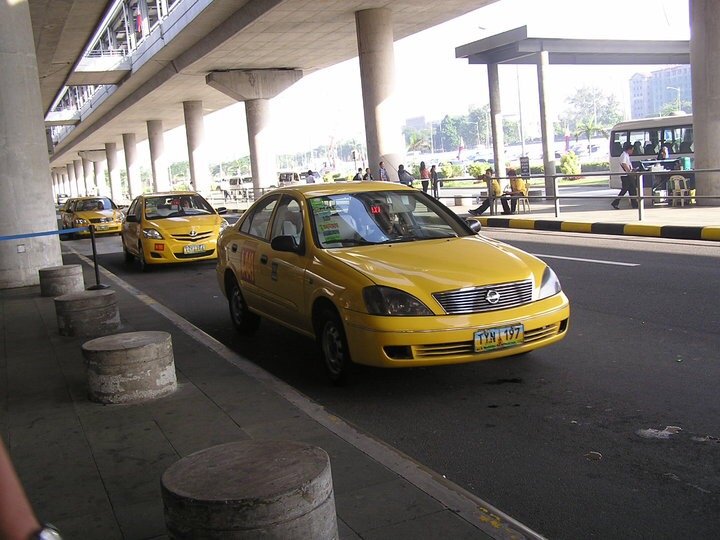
88,176
383,130
131,166
704,46
116,193
25,192
64,182
79,178
156,138
55,183
195,133
496,121
546,128
99,168
73,182
255,88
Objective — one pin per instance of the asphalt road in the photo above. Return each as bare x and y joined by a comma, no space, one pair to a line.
561,439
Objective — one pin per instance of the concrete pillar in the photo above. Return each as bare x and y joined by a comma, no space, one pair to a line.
99,168
195,133
131,165
114,172
255,88
71,178
383,130
156,138
65,182
704,45
546,127
88,175
79,178
496,121
25,192
54,183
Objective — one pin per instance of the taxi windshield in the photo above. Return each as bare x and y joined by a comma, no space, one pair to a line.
167,206
380,217
89,205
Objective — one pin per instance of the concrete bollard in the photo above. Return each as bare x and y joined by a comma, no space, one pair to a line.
59,280
87,313
251,489
129,367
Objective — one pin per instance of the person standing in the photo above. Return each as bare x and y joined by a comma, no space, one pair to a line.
628,181
310,178
424,176
358,175
404,176
435,182
382,173
368,175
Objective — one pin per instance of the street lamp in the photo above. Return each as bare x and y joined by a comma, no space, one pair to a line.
677,107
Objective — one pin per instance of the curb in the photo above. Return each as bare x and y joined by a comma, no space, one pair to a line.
679,232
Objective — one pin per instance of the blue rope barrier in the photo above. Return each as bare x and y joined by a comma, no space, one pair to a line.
44,233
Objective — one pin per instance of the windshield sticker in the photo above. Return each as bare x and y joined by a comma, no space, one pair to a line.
329,231
247,265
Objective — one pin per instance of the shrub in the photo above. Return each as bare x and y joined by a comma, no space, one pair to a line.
452,171
596,166
476,170
570,164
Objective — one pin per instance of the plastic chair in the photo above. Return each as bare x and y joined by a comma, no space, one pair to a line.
523,205
677,187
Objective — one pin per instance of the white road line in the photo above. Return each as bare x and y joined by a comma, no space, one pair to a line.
614,263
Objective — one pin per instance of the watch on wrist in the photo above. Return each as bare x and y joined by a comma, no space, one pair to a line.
47,531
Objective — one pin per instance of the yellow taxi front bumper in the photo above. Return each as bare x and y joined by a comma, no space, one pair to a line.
171,251
449,339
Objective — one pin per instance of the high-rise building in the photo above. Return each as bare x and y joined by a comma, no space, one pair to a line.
650,92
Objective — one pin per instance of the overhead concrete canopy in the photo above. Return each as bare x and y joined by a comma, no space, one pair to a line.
516,47
170,67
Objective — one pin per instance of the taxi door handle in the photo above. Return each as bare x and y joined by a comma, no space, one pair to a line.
233,248
263,259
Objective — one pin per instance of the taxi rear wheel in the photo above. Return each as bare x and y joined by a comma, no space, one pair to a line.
129,257
244,321
334,347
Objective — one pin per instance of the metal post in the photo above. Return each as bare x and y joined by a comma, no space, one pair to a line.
97,285
639,194
556,200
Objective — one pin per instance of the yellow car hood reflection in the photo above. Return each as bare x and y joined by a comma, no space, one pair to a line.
184,223
436,265
97,214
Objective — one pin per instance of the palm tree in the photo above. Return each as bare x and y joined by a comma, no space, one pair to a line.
418,142
589,127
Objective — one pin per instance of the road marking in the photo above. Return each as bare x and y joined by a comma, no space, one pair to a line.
614,263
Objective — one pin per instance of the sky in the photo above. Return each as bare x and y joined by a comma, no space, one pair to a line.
431,82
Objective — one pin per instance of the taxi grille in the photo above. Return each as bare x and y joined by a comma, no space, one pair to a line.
101,220
194,255
198,237
474,300
461,348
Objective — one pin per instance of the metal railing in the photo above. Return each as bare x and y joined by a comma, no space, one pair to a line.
556,198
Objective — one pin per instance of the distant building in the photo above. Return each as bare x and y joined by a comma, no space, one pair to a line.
416,124
650,92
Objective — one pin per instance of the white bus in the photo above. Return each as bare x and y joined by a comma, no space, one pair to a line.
648,136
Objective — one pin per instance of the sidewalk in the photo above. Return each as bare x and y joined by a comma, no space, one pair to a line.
585,215
94,470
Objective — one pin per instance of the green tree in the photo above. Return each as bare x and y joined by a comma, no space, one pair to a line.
588,128
589,102
511,131
671,108
450,135
418,141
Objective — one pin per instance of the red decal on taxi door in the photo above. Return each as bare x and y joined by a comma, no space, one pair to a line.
247,266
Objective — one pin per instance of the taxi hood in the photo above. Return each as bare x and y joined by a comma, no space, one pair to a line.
443,264
185,223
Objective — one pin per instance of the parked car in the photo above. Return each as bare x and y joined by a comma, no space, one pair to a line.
62,198
385,275
101,212
171,227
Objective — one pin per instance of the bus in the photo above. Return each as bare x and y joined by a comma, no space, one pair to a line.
648,136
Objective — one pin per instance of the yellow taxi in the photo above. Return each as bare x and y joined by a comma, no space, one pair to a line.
385,275
171,227
100,212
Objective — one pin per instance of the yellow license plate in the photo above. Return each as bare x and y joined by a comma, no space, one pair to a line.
195,248
101,227
498,338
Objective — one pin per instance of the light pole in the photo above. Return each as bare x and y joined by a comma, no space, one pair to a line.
677,107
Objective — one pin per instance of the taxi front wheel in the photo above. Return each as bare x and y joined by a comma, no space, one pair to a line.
333,347
244,321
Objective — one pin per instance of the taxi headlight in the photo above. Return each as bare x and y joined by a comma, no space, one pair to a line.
79,222
152,233
388,301
550,284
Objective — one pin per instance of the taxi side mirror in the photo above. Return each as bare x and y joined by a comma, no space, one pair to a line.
474,224
221,210
285,243
131,219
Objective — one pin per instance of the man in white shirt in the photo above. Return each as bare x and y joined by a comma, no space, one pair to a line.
628,181
383,175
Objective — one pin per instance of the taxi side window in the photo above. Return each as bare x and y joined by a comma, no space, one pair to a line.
288,220
257,223
132,211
